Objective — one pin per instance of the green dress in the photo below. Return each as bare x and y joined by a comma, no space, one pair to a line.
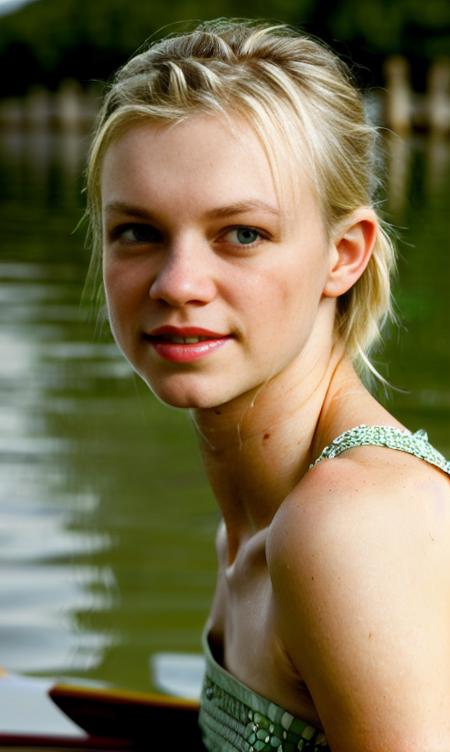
233,718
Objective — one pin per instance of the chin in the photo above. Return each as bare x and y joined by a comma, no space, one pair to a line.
185,396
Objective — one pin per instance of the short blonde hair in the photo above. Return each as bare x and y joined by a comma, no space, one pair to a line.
302,102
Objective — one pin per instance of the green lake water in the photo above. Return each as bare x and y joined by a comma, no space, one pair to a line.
106,521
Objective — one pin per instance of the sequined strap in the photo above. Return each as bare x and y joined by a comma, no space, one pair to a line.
233,718
385,436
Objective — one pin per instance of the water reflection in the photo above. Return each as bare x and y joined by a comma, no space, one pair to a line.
106,522
400,156
43,165
437,163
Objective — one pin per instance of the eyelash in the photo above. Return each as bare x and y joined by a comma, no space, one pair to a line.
152,235
118,233
248,228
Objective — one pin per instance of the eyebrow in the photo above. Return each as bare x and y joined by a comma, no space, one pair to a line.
220,212
241,207
121,207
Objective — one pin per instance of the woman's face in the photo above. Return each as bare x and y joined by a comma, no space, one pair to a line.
212,287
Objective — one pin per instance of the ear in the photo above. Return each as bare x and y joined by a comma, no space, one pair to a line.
351,248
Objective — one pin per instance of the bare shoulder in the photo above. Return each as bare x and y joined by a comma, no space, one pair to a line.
360,566
367,493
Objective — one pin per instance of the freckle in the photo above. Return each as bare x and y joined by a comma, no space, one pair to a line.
266,435
370,635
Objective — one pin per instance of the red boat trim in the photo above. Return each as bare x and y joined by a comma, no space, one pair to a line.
42,741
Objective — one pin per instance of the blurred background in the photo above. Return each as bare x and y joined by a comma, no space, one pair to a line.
106,522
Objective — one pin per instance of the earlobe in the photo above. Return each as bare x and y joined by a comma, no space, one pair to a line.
351,250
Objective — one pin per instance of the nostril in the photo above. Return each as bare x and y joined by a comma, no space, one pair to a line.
180,286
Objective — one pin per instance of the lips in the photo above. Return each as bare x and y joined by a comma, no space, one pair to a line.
185,344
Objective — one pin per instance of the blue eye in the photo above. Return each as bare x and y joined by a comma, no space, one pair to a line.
244,235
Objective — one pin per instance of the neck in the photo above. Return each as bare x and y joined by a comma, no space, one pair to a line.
257,447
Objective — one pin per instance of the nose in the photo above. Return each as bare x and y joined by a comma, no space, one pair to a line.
183,278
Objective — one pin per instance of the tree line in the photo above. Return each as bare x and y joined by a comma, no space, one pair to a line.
47,41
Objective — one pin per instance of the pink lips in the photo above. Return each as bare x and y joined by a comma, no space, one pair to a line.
198,343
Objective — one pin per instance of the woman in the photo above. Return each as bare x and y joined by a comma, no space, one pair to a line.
246,275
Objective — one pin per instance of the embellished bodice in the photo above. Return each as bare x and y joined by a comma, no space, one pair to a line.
233,717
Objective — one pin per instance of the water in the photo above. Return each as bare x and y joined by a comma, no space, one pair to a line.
106,522
418,353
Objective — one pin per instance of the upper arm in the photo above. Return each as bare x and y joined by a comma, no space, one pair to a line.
362,603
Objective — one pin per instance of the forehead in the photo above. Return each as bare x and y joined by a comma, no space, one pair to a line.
202,153
209,153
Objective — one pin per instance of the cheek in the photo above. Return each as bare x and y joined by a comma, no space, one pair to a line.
284,303
294,290
113,287
123,283
121,295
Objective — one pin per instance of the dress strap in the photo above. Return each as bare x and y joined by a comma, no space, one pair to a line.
385,436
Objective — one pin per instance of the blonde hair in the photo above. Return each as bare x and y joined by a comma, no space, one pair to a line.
300,99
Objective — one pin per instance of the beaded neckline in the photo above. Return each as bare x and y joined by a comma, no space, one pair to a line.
416,444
